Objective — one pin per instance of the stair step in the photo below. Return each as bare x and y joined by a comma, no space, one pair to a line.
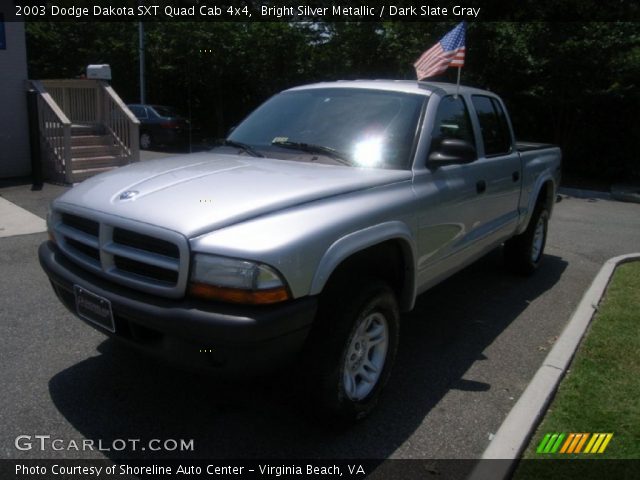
83,130
84,151
97,162
90,140
83,174
79,140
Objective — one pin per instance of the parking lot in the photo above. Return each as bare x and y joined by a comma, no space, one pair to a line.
467,352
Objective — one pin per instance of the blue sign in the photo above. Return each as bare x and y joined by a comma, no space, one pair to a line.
3,38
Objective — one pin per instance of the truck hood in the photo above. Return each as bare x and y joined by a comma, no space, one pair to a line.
197,193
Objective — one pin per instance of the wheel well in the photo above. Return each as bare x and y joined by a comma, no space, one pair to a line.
386,261
545,196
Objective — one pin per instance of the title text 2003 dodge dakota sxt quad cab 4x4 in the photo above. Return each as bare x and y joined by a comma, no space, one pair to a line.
320,218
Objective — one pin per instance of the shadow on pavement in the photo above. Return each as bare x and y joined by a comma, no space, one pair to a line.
122,394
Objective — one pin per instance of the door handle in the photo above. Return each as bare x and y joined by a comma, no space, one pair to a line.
516,176
481,186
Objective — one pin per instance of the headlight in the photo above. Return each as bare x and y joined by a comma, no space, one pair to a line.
237,281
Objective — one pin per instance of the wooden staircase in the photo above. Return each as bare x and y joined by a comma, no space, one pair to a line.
93,152
85,129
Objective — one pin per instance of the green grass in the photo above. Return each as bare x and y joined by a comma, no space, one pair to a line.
601,391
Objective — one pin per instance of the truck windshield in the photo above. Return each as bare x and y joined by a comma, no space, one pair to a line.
353,126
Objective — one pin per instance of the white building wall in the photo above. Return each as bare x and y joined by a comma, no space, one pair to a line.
14,125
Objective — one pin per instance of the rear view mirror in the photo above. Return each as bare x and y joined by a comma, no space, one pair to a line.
452,151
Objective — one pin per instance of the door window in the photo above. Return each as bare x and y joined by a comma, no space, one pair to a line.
493,125
452,122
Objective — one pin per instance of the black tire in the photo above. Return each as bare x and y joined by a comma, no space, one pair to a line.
523,253
343,308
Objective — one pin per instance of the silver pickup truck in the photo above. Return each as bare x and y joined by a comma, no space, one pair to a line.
306,232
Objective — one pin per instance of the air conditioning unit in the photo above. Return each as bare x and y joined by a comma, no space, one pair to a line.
99,72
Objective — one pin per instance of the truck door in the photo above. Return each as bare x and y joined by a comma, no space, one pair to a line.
448,202
499,169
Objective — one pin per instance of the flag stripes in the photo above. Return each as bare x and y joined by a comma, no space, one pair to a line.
448,52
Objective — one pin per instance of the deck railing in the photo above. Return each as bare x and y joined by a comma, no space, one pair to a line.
65,105
121,123
55,136
78,99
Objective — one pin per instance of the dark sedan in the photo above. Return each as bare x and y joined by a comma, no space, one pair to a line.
160,125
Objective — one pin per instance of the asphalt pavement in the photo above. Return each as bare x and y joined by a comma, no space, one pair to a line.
467,352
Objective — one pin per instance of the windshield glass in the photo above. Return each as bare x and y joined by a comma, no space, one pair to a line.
369,128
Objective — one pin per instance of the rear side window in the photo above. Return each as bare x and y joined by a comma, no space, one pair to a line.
493,125
452,121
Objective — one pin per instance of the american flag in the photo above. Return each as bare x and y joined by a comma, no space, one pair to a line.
448,52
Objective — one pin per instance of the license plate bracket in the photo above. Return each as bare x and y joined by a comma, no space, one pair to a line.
94,308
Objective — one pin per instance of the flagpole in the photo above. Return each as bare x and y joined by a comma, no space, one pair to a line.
458,84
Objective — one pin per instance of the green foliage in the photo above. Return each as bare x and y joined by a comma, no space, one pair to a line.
575,84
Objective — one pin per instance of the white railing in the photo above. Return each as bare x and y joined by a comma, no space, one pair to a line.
78,99
64,105
121,123
55,136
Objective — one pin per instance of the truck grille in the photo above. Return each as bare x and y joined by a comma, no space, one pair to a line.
140,256
145,242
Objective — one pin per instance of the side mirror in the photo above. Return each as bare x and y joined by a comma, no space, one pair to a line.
452,151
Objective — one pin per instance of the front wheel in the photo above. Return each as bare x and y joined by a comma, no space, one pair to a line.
523,253
353,348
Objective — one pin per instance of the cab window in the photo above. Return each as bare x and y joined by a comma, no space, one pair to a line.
452,122
493,125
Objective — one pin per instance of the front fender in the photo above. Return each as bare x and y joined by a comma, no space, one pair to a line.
357,241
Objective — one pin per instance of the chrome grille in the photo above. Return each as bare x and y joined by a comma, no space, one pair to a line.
134,254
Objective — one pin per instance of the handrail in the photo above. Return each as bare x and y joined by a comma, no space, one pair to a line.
68,83
55,136
114,96
37,85
124,130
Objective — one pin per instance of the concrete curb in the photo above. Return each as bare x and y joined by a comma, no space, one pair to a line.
626,193
622,193
516,430
579,193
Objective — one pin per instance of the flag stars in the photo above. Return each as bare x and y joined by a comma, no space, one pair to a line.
448,52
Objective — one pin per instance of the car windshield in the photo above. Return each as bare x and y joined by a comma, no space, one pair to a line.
359,127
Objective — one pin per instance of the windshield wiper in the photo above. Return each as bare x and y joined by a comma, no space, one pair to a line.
243,146
312,148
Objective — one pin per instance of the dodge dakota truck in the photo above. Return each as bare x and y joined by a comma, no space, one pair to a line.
306,232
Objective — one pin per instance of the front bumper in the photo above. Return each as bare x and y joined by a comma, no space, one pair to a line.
233,338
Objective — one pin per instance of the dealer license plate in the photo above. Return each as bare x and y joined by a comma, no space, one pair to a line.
94,308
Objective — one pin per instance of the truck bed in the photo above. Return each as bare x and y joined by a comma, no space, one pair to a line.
528,146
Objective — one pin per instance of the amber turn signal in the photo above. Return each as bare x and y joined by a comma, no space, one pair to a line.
236,295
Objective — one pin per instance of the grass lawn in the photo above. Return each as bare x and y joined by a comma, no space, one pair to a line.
601,391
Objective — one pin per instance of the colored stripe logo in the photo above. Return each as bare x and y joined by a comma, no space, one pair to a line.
573,443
